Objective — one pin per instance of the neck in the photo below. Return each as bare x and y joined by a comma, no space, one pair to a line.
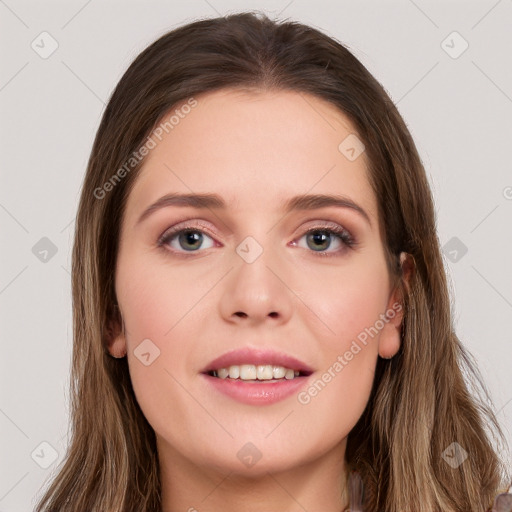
319,485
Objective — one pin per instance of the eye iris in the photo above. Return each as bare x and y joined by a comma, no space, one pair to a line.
191,237
319,237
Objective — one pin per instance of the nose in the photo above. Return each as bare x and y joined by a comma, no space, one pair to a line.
257,292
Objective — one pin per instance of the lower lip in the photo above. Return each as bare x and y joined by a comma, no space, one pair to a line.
256,393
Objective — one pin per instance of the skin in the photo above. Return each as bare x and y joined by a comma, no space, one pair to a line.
255,150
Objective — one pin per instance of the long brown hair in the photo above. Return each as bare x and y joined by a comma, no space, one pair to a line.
420,402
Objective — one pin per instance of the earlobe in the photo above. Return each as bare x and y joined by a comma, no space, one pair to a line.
117,348
115,335
390,339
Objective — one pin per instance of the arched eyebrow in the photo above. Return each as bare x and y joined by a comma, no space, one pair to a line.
215,202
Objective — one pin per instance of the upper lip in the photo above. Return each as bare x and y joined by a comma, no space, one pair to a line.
248,355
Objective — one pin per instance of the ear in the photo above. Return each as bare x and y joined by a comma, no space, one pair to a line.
390,338
115,334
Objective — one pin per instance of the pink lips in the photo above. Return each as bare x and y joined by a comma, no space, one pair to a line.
254,392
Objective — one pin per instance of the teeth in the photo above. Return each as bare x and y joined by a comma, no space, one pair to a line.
222,373
234,372
248,372
264,372
256,372
278,372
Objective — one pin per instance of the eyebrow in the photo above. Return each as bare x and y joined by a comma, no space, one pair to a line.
214,201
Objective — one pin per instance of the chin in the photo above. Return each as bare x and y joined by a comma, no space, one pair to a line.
248,459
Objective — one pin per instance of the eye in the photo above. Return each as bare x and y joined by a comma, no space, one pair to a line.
321,238
185,239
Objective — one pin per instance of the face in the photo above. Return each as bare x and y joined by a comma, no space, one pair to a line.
246,273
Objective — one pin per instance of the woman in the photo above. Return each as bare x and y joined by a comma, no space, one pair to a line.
261,315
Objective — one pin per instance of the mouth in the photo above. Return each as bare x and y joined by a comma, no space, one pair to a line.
256,376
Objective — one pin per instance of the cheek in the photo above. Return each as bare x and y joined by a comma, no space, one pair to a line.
157,301
351,304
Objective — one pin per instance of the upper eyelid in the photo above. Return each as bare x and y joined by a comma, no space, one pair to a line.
192,225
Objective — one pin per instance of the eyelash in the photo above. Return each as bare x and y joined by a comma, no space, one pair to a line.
342,234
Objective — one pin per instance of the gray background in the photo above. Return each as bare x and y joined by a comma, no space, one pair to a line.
458,107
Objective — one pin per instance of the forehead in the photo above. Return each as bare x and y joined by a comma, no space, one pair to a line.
255,149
